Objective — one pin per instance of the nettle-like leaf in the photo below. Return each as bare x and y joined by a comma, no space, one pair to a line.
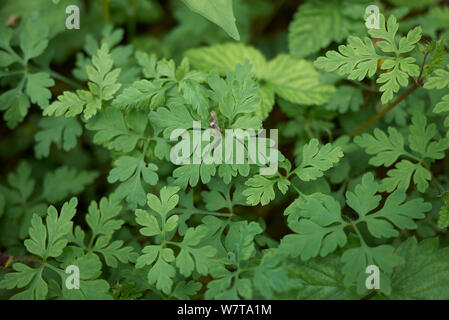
218,11
424,275
317,23
160,257
359,58
320,279
293,79
102,87
425,146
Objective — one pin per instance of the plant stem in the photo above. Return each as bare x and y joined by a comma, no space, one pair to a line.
132,19
384,111
64,79
418,82
106,13
357,231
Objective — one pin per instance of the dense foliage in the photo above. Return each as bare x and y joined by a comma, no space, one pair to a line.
86,177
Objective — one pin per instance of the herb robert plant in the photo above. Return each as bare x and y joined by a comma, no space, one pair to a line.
86,178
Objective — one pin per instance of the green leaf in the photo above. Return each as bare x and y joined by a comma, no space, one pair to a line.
167,201
218,11
114,251
55,187
413,3
25,276
36,88
356,60
149,222
421,136
102,87
443,220
69,104
396,211
118,132
425,273
129,171
423,140
15,104
91,288
238,94
184,290
297,81
224,57
443,105
344,99
320,279
50,239
293,79
142,94
270,276
239,243
59,130
315,25
6,59
261,189
356,260
316,160
318,226
387,148
439,79
102,78
401,175
194,257
162,272
359,58
176,116
102,218
33,39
